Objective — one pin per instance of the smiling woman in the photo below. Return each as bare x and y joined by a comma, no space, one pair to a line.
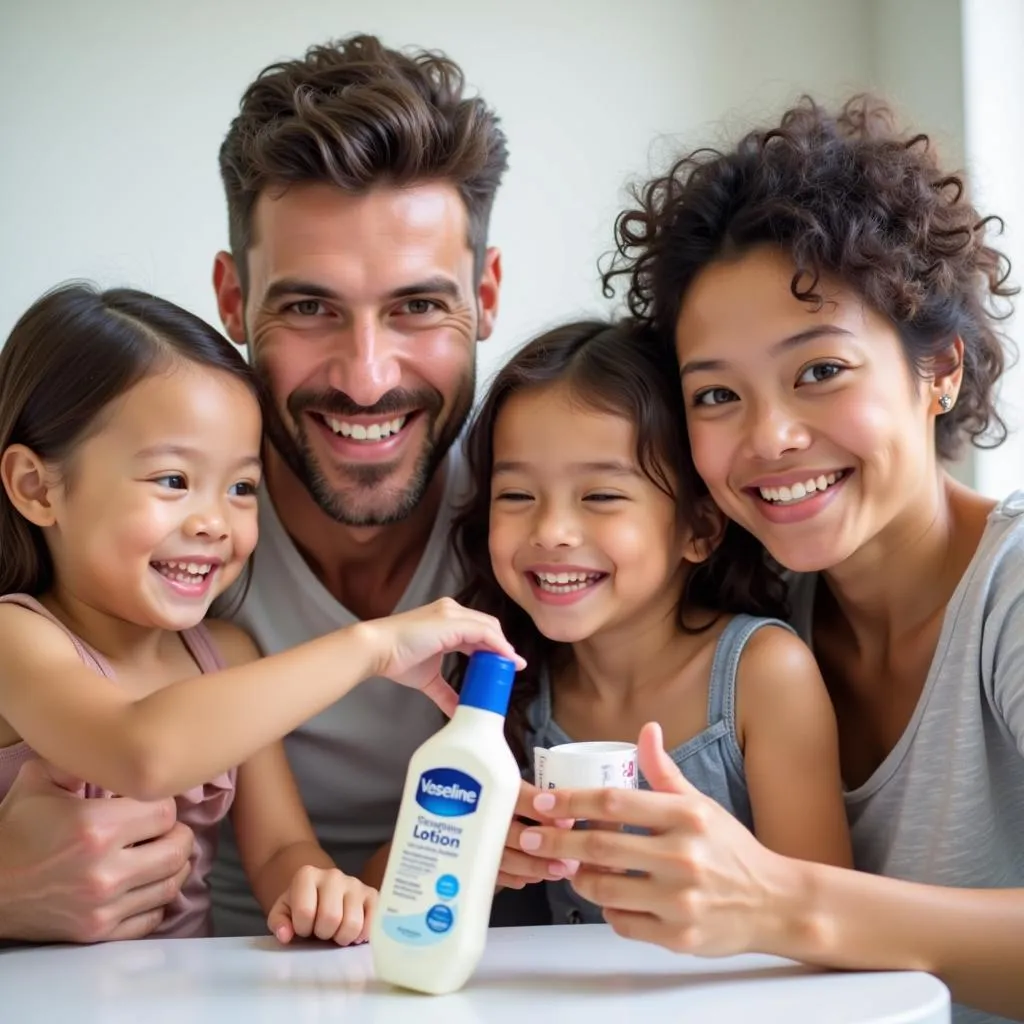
830,293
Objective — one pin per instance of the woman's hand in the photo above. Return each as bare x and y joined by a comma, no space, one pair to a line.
410,647
707,886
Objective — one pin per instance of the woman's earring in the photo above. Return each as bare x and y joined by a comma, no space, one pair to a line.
945,403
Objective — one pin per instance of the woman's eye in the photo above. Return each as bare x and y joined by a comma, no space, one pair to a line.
243,489
819,372
513,496
601,496
714,396
173,481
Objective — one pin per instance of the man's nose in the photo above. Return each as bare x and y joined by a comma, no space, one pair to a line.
365,365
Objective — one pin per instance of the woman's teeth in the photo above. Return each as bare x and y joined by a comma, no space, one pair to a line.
565,582
800,491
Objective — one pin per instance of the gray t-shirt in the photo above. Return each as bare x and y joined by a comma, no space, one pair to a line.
350,760
946,807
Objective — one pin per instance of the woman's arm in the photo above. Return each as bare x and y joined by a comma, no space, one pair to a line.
710,888
787,730
190,731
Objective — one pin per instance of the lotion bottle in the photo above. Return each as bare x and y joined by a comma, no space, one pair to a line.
431,921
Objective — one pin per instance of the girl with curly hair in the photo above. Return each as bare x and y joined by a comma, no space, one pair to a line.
833,299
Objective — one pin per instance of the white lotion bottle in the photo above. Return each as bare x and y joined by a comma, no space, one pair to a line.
430,926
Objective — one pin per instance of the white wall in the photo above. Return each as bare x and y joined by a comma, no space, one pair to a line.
993,33
917,64
112,111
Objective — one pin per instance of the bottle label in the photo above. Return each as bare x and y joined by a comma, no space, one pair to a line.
422,906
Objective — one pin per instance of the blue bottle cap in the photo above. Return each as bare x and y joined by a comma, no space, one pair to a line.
488,682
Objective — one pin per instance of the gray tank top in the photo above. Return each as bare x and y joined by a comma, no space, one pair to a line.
712,760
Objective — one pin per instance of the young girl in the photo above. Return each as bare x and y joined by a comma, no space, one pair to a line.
596,545
129,454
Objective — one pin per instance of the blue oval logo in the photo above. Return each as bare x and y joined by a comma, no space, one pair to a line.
447,792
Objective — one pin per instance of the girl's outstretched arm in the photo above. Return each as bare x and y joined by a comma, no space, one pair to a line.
190,731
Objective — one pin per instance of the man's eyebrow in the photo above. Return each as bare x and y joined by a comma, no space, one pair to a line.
612,466
793,341
428,286
310,289
296,286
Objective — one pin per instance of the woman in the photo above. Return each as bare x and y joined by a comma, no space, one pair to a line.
830,295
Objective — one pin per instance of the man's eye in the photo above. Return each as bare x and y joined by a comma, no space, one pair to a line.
419,307
306,307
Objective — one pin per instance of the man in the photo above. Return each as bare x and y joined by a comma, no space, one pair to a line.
359,184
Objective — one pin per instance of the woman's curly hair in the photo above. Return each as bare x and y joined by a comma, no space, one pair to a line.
620,369
848,196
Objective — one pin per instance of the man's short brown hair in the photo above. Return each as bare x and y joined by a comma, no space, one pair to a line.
356,114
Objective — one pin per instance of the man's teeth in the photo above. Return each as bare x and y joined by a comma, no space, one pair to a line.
184,572
361,432
800,491
565,582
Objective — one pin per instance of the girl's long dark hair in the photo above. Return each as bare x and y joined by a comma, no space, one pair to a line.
70,355
620,368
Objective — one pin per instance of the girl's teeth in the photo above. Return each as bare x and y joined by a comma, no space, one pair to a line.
184,572
800,491
565,582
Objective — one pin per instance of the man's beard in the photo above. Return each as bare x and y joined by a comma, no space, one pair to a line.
385,505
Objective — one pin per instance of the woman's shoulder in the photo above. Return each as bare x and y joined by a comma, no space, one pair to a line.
997,568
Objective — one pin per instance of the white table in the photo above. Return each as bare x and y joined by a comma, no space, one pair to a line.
527,975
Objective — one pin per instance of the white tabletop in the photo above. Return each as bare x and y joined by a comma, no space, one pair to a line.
527,975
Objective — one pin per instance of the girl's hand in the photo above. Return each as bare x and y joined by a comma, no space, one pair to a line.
519,869
707,885
324,904
410,647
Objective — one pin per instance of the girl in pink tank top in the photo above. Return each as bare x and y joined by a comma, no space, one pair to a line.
130,438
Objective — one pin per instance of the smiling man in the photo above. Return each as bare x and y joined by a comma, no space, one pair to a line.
359,183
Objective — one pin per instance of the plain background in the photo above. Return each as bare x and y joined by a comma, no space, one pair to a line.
112,112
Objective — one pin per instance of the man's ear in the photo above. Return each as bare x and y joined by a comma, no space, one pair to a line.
27,483
488,292
230,300
705,533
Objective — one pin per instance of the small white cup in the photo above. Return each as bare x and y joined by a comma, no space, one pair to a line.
596,765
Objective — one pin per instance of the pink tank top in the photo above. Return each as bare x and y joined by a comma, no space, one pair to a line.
201,808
